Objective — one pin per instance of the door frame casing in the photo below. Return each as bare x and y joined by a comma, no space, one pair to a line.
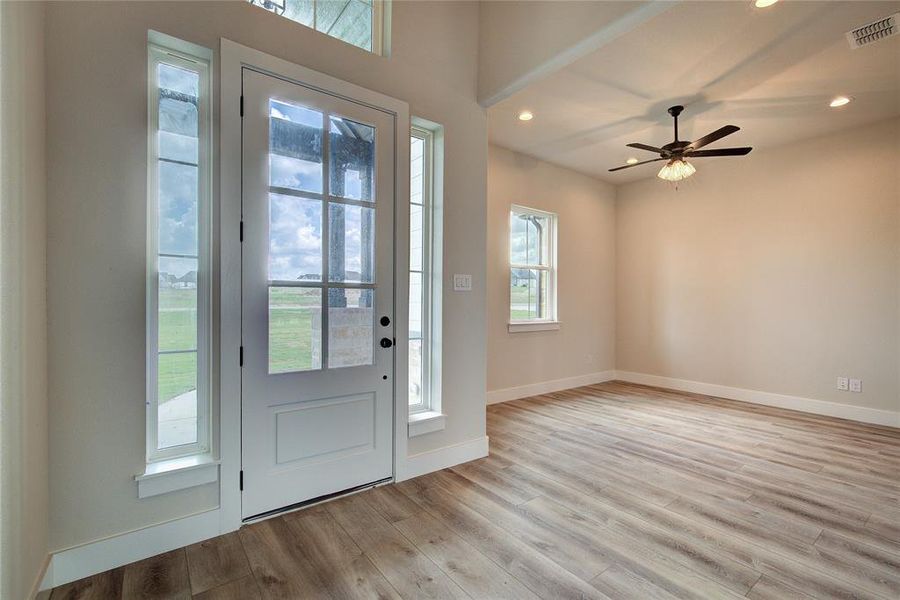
233,59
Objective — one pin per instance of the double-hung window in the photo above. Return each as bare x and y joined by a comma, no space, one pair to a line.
357,22
532,269
178,284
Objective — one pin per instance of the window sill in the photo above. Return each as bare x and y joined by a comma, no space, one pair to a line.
520,326
426,422
177,474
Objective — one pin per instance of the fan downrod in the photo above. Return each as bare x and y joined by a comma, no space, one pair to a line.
676,145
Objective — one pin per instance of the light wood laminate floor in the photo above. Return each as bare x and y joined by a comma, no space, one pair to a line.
607,491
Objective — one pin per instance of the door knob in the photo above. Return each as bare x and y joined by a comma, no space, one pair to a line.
386,342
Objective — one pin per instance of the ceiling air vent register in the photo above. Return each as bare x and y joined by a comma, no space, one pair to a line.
874,31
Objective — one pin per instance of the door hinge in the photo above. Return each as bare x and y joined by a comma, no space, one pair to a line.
242,231
242,481
242,105
242,357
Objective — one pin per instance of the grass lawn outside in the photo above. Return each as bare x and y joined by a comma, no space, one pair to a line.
293,314
291,335
177,373
519,303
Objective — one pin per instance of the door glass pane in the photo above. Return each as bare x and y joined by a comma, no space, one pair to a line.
295,329
178,202
415,372
352,160
351,233
350,327
295,147
177,317
177,399
295,238
527,294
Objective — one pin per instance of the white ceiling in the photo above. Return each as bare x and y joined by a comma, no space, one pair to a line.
769,71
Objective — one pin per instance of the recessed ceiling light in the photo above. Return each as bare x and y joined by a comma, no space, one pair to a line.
631,161
764,3
839,101
525,115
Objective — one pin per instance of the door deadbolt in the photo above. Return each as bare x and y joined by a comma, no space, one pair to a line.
385,321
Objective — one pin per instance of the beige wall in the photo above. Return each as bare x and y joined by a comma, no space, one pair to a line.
23,439
584,344
97,189
776,272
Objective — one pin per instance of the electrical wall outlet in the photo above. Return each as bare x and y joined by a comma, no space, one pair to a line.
856,385
462,283
843,384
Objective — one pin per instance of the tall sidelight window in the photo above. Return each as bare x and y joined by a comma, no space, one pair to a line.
178,285
532,266
424,253
357,22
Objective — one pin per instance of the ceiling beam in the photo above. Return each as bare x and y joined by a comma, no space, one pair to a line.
593,42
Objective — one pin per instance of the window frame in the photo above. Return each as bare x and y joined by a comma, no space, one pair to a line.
428,308
165,50
551,319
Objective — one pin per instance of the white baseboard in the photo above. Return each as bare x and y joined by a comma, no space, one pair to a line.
89,559
96,557
442,458
808,405
546,387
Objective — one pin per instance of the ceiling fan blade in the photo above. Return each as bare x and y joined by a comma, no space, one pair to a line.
719,152
648,148
644,162
709,138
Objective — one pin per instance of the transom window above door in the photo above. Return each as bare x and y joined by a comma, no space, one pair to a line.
357,22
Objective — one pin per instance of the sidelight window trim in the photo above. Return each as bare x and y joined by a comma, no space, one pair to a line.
164,49
427,139
426,416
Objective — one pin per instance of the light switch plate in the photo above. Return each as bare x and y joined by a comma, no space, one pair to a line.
856,385
462,282
843,384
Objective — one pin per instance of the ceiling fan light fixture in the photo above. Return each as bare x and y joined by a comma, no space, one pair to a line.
840,101
676,170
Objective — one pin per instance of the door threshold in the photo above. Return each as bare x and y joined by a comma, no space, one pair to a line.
313,501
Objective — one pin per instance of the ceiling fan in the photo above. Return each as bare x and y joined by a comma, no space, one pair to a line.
675,153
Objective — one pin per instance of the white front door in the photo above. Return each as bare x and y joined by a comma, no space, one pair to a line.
317,293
